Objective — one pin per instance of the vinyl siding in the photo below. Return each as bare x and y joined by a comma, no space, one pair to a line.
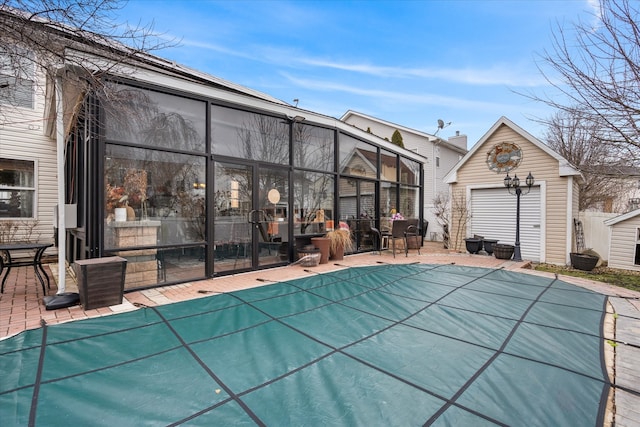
545,169
623,244
22,136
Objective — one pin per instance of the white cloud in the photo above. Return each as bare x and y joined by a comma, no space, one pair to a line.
514,75
216,48
502,74
596,11
396,96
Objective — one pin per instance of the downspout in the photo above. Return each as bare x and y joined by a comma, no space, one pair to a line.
570,212
62,230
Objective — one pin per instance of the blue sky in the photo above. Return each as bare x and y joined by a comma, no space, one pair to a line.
410,62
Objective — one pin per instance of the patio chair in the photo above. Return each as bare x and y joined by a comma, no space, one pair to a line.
376,236
412,233
398,228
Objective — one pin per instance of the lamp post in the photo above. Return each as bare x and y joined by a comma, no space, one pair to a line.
515,185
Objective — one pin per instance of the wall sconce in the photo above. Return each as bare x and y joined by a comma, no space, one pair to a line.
296,119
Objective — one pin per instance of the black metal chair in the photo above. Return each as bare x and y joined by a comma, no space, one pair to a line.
398,229
376,236
412,232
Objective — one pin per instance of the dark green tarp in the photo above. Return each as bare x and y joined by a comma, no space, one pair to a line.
403,345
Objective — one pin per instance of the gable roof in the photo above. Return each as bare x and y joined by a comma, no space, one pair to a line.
623,217
429,137
565,168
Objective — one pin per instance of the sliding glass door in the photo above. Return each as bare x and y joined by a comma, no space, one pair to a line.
251,216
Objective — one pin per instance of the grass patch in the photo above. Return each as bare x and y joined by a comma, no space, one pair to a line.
622,278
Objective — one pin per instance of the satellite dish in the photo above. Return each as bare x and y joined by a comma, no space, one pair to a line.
441,125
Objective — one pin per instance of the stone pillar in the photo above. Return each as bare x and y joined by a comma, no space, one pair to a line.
142,265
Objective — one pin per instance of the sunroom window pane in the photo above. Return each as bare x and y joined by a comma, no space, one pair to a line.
156,119
357,157
247,135
313,147
166,188
409,171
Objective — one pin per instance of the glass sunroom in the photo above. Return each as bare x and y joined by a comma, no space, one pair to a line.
188,187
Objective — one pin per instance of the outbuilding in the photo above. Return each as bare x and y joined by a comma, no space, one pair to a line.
624,245
481,205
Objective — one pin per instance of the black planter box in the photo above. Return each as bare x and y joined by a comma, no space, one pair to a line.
100,281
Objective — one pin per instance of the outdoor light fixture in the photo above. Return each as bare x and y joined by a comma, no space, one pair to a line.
296,119
514,183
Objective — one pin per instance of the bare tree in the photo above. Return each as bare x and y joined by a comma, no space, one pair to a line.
598,72
579,141
442,211
265,138
453,210
81,35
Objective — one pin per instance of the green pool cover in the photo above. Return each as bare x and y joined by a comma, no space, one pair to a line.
401,345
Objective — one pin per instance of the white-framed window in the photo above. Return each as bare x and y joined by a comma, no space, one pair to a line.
17,75
17,188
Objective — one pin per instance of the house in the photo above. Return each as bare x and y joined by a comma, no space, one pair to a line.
624,193
185,175
440,157
624,245
481,205
628,198
28,171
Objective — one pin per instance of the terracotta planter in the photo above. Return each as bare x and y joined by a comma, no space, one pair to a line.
322,243
338,254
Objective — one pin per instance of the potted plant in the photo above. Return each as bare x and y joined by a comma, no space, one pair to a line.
503,251
488,245
340,240
473,245
585,260
322,243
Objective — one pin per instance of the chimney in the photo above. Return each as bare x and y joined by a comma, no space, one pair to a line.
458,140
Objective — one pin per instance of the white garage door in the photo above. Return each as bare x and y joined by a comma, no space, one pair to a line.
493,215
